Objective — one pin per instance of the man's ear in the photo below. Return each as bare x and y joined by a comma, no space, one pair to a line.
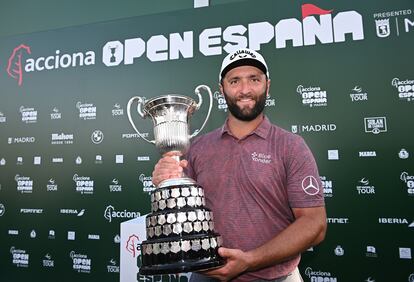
221,87
268,88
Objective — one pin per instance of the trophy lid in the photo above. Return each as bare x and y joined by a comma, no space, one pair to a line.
176,182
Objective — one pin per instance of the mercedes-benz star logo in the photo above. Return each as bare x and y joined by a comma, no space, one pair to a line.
310,185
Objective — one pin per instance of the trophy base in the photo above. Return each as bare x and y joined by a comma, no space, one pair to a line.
180,231
188,265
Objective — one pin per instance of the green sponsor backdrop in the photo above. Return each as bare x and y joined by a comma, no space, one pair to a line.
54,179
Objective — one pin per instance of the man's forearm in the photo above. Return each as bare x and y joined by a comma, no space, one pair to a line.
305,231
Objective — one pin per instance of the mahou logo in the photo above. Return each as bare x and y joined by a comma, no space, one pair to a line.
15,66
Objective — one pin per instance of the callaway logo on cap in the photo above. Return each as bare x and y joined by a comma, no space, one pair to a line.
243,57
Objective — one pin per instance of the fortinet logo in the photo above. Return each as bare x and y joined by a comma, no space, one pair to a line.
32,211
338,220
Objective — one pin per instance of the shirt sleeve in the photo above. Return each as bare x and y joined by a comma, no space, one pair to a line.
304,187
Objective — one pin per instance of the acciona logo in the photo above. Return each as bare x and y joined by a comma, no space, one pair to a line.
318,275
17,66
111,213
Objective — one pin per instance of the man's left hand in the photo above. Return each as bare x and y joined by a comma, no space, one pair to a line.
237,262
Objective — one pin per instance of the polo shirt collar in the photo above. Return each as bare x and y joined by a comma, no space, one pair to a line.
262,130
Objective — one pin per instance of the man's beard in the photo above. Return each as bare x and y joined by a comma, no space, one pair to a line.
246,114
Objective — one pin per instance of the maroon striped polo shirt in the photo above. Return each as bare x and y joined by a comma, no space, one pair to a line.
252,183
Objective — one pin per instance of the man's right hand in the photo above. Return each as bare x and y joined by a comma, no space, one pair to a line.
168,167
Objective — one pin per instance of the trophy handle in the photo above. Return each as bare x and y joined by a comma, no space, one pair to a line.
142,114
200,101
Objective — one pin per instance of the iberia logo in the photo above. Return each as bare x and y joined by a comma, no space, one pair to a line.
14,66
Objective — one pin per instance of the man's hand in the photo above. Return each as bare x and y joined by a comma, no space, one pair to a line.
237,262
168,167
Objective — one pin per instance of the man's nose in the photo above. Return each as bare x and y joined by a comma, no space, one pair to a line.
245,86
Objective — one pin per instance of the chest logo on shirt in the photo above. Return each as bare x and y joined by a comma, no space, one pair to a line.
261,158
310,185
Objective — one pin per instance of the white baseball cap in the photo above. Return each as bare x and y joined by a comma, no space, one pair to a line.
243,57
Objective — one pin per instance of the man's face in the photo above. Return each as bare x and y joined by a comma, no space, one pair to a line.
245,89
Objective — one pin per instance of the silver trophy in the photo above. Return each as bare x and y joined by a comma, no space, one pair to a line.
180,229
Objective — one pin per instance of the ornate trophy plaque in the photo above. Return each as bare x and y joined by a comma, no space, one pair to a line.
180,229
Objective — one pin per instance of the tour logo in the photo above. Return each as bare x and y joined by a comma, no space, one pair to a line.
313,96
51,185
115,186
55,114
375,125
112,266
48,261
15,63
117,110
357,94
364,187
405,89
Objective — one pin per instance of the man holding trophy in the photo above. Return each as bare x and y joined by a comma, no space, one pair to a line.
260,181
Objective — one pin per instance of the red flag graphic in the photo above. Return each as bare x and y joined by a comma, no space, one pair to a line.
310,9
14,66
